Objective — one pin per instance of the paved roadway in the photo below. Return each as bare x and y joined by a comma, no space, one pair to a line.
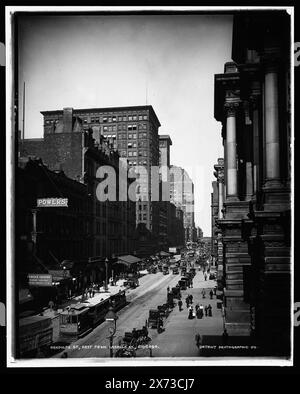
151,293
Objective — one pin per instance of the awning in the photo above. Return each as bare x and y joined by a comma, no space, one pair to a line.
58,275
128,260
163,253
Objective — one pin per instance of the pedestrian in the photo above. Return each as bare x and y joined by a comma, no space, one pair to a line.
134,333
198,340
187,300
191,314
205,276
191,299
203,293
145,329
197,308
211,293
206,310
225,337
180,305
159,325
209,308
201,311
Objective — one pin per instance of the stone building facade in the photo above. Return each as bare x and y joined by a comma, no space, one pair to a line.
214,217
252,101
45,236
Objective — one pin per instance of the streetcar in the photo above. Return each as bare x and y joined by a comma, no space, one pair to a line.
79,319
74,322
99,308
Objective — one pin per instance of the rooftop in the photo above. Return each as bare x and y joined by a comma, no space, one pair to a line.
108,109
165,137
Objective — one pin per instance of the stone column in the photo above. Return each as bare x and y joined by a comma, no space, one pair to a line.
224,162
231,178
248,153
271,126
220,200
255,130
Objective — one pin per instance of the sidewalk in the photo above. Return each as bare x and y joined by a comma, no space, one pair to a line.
178,339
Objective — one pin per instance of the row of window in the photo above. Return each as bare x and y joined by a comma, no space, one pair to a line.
55,121
124,118
142,216
125,144
143,153
131,136
130,127
143,207
112,119
139,162
107,119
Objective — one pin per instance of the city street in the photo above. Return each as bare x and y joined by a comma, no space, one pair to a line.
151,293
178,337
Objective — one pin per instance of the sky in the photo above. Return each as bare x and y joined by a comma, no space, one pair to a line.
167,61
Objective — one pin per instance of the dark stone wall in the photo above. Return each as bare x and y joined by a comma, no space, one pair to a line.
58,151
34,147
64,150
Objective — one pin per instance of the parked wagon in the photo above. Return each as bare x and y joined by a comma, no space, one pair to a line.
183,284
154,316
163,310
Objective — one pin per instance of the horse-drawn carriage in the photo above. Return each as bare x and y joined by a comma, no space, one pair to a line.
176,292
131,342
164,310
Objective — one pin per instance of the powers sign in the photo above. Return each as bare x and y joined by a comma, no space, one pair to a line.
52,202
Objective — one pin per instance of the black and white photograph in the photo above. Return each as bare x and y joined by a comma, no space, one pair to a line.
149,186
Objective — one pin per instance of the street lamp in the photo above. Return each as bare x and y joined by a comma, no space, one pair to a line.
112,318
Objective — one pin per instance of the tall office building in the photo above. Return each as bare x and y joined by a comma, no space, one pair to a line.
182,195
133,131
